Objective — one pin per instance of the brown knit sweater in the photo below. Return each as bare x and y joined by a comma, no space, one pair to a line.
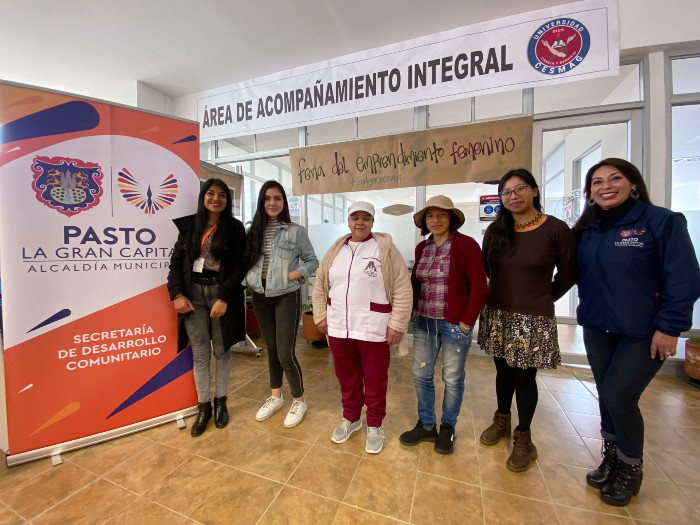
521,281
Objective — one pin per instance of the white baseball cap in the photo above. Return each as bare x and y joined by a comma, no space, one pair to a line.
361,206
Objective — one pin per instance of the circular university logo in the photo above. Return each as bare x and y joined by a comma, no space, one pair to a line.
558,46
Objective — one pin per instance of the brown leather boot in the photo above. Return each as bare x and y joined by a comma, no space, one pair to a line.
524,451
500,428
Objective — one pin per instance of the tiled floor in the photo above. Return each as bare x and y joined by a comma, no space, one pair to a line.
262,473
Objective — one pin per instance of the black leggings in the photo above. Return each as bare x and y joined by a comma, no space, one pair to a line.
278,318
521,381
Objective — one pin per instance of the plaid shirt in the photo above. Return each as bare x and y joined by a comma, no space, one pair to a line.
432,272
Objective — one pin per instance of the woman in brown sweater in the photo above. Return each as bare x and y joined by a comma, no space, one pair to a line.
517,326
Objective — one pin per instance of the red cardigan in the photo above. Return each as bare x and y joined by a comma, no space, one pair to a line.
467,289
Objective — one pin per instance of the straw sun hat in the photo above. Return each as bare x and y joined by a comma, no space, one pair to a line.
439,201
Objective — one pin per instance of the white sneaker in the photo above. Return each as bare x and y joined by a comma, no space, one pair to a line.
344,429
272,404
375,440
295,414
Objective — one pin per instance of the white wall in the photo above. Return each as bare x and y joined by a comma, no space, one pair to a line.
184,107
151,99
645,23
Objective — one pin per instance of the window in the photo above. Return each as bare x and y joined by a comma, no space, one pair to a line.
685,178
625,87
234,146
584,163
385,123
499,105
686,75
450,113
336,131
286,138
553,182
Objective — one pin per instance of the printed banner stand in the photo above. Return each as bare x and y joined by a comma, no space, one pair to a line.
88,191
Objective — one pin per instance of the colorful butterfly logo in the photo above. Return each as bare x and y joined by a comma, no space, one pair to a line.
150,203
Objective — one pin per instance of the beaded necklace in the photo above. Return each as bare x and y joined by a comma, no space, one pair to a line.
535,220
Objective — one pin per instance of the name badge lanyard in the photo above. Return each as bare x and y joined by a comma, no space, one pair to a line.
206,236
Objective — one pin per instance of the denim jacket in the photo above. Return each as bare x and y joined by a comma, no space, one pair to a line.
291,250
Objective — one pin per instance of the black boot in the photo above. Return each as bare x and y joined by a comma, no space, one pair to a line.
599,477
203,417
220,412
624,483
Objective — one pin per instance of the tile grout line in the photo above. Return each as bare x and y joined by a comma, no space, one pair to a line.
14,512
280,491
415,484
478,462
94,481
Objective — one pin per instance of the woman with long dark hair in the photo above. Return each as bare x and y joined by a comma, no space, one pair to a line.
279,258
639,282
517,326
204,282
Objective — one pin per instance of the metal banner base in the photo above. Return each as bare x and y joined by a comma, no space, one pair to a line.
247,346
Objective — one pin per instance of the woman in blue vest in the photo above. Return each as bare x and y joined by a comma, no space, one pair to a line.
639,280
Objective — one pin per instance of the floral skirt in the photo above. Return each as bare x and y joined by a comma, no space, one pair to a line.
524,341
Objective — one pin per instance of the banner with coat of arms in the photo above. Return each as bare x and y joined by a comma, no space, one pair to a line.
88,191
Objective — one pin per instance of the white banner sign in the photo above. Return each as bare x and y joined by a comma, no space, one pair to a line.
572,42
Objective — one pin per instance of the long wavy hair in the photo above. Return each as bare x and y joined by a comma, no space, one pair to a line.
500,235
201,218
591,212
256,233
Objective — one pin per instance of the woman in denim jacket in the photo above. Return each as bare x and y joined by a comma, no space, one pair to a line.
279,258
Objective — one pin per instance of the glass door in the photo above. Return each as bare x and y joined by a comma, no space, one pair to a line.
563,151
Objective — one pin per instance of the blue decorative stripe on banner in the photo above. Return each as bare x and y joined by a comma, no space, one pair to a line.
177,367
55,317
64,118
186,139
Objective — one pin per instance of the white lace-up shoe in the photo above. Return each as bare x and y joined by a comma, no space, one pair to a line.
375,440
295,414
271,405
344,429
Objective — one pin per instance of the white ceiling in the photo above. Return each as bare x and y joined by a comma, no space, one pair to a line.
100,48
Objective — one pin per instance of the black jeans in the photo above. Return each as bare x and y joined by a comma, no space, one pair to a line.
278,318
622,367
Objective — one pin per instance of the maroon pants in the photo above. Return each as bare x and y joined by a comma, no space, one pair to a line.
362,370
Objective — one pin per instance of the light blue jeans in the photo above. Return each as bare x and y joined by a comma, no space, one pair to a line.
429,337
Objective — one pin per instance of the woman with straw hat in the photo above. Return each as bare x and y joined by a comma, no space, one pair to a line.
449,290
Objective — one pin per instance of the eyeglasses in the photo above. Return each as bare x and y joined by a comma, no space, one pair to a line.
518,190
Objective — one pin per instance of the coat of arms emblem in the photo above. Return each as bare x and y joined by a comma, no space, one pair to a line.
67,185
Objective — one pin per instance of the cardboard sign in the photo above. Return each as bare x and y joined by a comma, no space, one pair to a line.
471,153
